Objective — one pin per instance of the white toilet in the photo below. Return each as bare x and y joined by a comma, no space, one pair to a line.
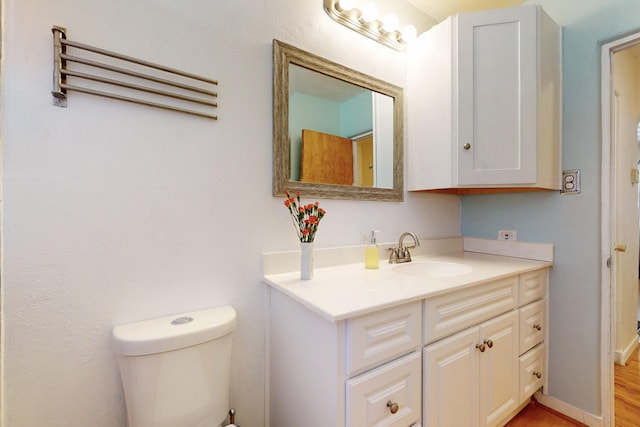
176,370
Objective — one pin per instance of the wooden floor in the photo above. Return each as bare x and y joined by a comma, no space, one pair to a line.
538,415
627,392
627,402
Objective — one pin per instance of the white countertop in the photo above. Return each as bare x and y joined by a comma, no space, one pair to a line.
345,291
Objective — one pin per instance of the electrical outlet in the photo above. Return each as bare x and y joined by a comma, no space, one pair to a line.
507,235
570,182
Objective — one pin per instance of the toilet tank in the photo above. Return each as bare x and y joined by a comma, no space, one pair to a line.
175,370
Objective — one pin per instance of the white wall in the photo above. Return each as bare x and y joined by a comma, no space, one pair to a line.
114,212
572,222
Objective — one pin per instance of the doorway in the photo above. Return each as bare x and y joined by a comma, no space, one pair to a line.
620,224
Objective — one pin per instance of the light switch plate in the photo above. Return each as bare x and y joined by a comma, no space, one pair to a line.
570,182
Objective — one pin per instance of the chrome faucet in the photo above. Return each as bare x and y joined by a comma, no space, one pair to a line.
401,253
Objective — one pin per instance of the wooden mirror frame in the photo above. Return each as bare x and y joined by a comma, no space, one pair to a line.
283,55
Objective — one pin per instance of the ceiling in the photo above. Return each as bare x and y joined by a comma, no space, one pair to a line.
441,9
312,83
424,14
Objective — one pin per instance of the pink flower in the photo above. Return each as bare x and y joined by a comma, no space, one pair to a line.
306,218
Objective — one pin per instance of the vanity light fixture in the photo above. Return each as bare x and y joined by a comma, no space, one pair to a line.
366,22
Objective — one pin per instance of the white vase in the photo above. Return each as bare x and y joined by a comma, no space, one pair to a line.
306,260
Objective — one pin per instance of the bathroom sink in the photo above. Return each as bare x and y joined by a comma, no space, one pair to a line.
432,269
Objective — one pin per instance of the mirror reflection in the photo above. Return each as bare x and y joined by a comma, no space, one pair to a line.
337,133
340,133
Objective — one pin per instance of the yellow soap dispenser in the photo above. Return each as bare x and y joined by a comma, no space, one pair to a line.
371,253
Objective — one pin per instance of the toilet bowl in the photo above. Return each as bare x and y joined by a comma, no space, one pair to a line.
175,370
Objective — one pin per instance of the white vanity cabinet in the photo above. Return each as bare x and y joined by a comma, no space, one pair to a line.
482,374
360,348
471,378
359,372
484,103
533,332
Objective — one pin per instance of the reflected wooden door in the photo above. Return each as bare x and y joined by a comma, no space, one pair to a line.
365,161
326,158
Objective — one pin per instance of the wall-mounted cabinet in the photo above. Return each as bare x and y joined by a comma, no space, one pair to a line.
484,103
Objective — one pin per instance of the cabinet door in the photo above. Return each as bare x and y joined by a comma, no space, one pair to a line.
497,72
532,371
388,396
533,286
450,381
499,369
532,325
381,336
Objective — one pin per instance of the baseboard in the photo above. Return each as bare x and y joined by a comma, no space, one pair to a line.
570,411
621,357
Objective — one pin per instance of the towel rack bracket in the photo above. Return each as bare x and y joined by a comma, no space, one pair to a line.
59,94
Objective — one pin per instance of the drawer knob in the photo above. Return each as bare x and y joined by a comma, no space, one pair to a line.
537,327
481,347
489,343
393,407
466,146
537,374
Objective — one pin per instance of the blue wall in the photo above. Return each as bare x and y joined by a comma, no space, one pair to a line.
571,222
356,115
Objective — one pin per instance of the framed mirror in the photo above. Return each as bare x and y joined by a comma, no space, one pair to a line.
337,133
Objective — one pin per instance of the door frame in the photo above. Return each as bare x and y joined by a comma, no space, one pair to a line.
607,228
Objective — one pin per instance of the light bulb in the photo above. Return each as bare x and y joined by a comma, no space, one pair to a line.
346,4
390,23
370,12
409,33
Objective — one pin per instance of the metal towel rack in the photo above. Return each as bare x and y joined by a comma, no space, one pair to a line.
191,95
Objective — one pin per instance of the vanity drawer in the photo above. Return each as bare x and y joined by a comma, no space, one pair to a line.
372,396
453,312
533,286
532,325
532,371
382,336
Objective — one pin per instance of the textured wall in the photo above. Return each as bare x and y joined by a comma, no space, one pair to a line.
115,213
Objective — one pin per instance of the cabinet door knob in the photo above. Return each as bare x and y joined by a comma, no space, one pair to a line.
481,347
489,343
393,407
537,374
467,146
537,327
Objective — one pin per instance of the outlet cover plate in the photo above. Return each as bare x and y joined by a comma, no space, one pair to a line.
570,182
507,235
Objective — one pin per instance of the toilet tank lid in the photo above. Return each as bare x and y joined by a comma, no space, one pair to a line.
173,332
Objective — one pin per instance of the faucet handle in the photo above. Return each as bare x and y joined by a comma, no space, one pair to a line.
393,256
